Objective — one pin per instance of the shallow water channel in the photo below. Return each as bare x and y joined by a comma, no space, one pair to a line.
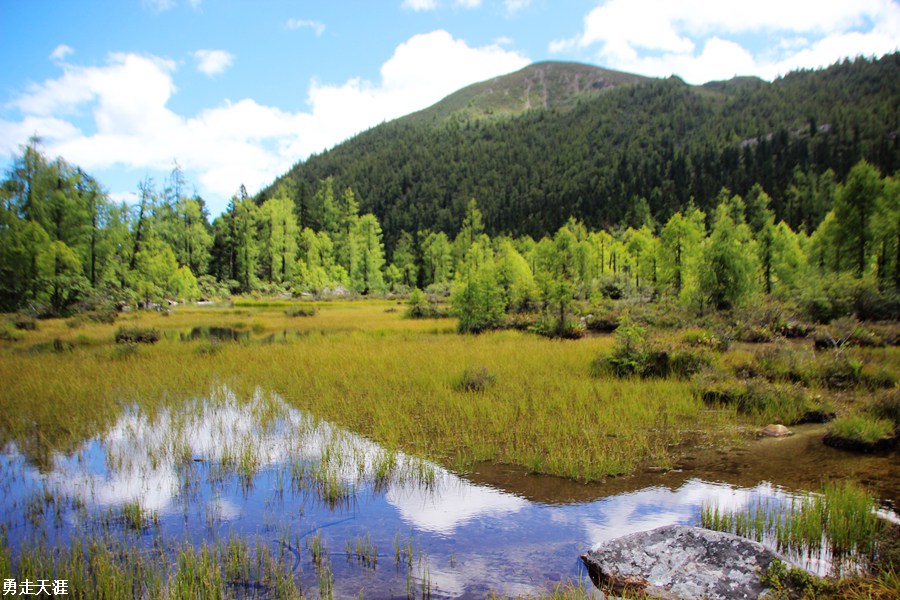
222,466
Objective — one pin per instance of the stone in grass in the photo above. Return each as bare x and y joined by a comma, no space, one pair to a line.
680,562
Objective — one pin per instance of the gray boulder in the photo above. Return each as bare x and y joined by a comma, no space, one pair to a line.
679,562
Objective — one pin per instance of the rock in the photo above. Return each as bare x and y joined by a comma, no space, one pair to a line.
680,562
773,430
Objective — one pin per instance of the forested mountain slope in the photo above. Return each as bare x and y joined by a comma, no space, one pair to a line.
594,155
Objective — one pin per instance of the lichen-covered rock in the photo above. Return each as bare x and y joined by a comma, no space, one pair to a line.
679,562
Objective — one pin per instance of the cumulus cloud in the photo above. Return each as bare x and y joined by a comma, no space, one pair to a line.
61,52
317,26
213,62
699,39
132,126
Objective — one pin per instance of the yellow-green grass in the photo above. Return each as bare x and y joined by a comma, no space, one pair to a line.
362,366
365,368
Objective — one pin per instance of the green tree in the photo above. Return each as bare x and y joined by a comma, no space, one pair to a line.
885,226
476,298
854,206
347,217
514,276
404,260
244,219
472,228
280,243
437,258
61,277
367,256
727,267
680,241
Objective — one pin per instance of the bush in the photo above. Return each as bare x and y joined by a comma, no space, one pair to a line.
887,406
474,380
830,297
605,323
9,334
420,306
301,311
137,336
568,329
786,404
24,323
634,355
754,334
703,338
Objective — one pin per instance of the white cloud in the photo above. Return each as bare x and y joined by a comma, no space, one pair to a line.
698,39
213,62
61,52
164,5
514,6
132,127
467,3
316,26
419,5
159,5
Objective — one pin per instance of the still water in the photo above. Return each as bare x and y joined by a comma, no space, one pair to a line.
254,467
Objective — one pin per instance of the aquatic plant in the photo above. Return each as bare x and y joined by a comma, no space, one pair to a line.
842,517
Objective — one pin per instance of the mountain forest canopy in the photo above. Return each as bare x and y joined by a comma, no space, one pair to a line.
589,184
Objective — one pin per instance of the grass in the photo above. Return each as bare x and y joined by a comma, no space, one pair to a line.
379,374
842,517
862,428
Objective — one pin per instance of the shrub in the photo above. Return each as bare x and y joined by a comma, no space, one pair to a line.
9,334
634,355
301,311
754,334
24,322
568,329
208,347
605,323
787,404
418,306
887,406
475,380
137,336
703,338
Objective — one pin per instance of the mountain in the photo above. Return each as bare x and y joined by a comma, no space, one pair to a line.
540,85
558,140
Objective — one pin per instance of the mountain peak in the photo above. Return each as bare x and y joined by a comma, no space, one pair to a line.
540,85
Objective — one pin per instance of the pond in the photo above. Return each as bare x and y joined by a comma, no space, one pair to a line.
384,524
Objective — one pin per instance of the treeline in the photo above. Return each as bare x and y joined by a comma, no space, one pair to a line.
64,246
660,144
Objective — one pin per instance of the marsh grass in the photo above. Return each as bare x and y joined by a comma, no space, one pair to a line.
842,519
375,373
861,430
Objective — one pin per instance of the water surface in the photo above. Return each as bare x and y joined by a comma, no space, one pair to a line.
223,466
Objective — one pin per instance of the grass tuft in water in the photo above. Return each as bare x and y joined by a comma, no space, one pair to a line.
842,518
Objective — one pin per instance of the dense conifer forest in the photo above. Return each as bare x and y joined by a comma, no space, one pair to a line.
708,196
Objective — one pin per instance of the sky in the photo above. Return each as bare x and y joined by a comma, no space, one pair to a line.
238,91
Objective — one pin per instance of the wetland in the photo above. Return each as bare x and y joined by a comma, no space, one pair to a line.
249,453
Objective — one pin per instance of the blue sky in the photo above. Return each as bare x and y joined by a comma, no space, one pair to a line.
237,91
